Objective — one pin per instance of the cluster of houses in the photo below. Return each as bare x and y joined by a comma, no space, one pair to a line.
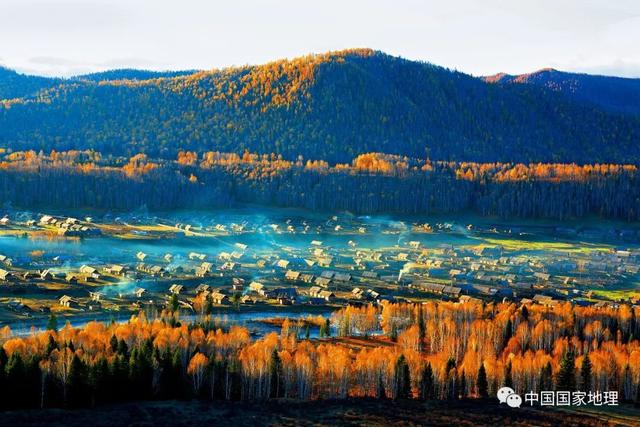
358,275
494,273
22,277
349,273
68,227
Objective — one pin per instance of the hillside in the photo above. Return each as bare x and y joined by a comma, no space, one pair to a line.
611,93
332,106
130,74
16,85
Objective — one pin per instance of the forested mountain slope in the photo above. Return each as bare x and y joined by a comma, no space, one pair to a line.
332,106
16,85
615,94
130,74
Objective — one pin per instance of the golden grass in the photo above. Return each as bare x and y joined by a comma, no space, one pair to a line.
524,245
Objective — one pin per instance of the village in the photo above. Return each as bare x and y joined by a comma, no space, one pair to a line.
302,265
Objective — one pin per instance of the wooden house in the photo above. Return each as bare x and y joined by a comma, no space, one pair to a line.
176,289
67,301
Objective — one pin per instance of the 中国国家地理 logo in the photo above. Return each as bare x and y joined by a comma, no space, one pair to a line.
510,397
558,398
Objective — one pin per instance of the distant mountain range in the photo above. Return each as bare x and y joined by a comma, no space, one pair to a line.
331,106
615,94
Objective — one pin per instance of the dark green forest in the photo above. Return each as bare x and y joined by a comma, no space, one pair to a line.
616,94
15,85
372,183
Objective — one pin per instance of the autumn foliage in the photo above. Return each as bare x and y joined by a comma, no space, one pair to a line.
376,182
435,350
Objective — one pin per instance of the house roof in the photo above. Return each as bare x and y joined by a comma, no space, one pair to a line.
328,274
342,277
453,290
326,294
322,281
292,274
202,287
218,296
256,285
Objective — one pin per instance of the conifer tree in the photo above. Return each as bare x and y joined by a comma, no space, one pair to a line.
427,390
402,379
275,375
481,382
585,374
566,380
52,323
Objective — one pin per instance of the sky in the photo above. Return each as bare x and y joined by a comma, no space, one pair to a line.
480,37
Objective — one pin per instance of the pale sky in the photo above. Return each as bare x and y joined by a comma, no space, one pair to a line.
67,37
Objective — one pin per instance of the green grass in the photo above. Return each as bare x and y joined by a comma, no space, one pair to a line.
615,294
526,245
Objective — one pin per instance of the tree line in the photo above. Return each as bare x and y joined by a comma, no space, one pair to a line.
435,350
371,183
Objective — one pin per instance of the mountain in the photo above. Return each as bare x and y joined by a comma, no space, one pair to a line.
131,74
332,106
614,94
16,85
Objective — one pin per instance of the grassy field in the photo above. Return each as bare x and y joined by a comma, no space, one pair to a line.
540,245
324,413
622,293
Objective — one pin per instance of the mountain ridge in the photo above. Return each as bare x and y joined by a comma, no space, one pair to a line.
330,106
16,85
617,94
